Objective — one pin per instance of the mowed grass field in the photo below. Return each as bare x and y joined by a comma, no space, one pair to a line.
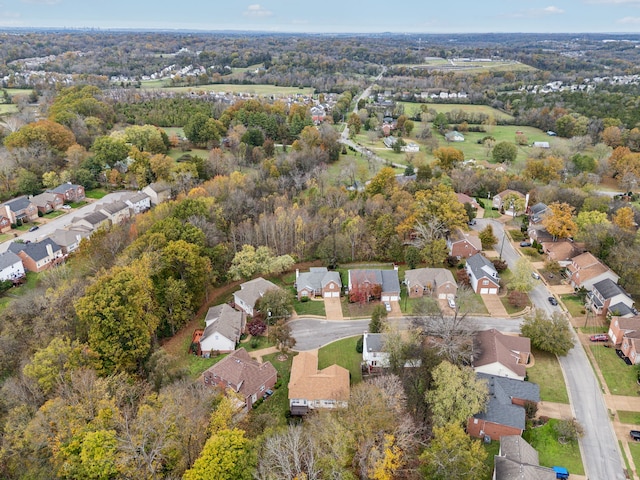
264,90
410,108
6,109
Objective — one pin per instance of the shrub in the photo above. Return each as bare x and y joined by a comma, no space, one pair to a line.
304,299
359,345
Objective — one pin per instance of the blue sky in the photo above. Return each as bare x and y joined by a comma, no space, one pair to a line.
368,16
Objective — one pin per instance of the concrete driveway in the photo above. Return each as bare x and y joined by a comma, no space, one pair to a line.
494,306
333,308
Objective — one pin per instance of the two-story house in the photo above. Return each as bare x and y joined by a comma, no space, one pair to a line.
39,256
318,282
483,275
437,282
11,267
68,192
607,297
463,245
19,210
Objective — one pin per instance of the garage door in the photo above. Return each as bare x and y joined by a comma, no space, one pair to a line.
327,294
484,291
385,298
394,298
493,291
442,296
335,294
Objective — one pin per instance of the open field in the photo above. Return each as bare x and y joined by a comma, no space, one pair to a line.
547,374
233,88
436,63
6,109
411,108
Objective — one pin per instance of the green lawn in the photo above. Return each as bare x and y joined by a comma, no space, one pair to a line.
343,352
311,307
54,214
592,330
488,211
30,284
6,109
620,377
5,236
635,453
176,153
547,374
511,310
79,204
278,403
96,194
551,452
492,450
631,418
411,108
574,303
257,343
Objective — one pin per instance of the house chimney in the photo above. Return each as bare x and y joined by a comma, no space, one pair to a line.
49,250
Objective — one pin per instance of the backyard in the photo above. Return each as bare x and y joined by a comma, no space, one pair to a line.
551,452
574,303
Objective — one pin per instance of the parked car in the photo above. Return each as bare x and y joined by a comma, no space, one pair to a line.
34,228
267,394
635,434
472,222
535,275
66,207
525,244
553,301
387,306
624,358
599,337
452,302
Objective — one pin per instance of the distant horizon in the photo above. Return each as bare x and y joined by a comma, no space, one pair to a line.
331,17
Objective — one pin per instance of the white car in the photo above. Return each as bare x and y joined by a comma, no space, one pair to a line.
66,207
452,302
387,306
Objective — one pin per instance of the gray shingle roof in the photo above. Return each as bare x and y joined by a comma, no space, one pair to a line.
482,267
94,218
224,320
8,258
44,198
608,288
113,207
424,276
506,469
36,251
500,408
316,278
375,342
65,187
18,204
252,290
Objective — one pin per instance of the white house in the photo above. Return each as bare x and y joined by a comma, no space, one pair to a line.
11,267
138,201
372,351
224,325
483,275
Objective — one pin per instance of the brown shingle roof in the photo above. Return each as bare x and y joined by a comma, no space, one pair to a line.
306,381
239,369
493,346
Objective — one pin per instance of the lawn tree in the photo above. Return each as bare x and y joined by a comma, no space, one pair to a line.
568,430
559,221
451,335
513,202
487,238
455,394
280,333
275,304
447,158
453,454
522,279
378,319
552,335
435,252
412,257
504,152
227,455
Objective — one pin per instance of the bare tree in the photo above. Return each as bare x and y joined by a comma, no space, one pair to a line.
450,334
289,454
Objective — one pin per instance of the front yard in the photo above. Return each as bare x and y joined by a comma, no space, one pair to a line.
551,452
547,374
620,377
343,352
574,303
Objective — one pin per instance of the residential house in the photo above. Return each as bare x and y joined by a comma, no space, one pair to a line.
383,284
224,325
389,141
157,192
310,388
91,221
39,256
464,198
243,375
537,212
623,326
69,240
438,282
5,222
69,192
19,209
318,114
250,292
483,275
537,233
318,282
631,347
373,354
501,355
454,136
561,251
544,145
517,460
585,270
607,297
47,202
463,245
138,201
117,212
504,413
498,200
11,267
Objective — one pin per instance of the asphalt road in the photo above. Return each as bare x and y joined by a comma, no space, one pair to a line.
62,221
599,446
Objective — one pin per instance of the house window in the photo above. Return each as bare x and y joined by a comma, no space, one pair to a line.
485,282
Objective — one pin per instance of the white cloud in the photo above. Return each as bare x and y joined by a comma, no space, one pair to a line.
551,10
629,21
257,10
535,12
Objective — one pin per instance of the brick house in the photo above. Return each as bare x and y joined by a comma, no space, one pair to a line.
47,202
382,284
619,327
464,198
437,282
19,209
243,375
463,245
318,282
69,192
482,275
504,413
606,296
501,355
39,256
5,222
310,388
